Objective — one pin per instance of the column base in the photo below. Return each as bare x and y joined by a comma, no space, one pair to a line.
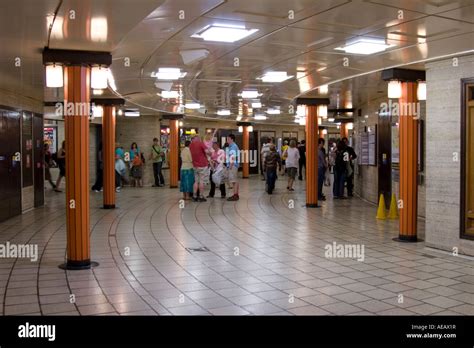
407,239
109,206
173,186
245,177
312,205
78,265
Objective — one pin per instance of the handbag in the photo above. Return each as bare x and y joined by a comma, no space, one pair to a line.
327,178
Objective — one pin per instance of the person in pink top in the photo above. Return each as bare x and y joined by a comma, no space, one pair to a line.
199,153
217,159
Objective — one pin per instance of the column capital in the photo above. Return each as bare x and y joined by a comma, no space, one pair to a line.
312,101
74,57
108,101
404,75
172,116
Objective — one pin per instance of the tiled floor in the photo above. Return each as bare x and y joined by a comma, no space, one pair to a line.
266,257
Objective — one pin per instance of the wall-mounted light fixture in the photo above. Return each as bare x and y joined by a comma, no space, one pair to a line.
99,77
421,90
54,76
394,89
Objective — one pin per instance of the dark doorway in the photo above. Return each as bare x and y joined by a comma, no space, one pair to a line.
10,162
38,159
385,157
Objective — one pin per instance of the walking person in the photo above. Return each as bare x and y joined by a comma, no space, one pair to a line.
283,157
61,161
100,171
157,156
340,171
292,161
272,161
187,172
350,175
48,162
263,153
302,160
322,167
199,153
232,157
217,162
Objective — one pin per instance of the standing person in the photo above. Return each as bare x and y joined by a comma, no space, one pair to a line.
283,157
350,178
232,157
120,172
340,170
187,172
134,150
100,171
302,160
322,167
48,162
136,165
292,161
264,152
272,160
156,156
199,153
61,160
217,160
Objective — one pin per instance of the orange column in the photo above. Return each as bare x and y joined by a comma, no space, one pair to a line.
246,148
312,156
108,156
76,124
321,134
344,131
408,164
174,153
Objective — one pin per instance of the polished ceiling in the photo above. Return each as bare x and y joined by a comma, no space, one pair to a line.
296,36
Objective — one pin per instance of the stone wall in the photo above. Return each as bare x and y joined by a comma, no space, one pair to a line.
443,175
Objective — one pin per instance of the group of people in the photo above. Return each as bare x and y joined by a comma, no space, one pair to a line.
291,162
201,160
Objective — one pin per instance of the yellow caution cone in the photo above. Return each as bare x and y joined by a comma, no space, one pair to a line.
381,214
393,213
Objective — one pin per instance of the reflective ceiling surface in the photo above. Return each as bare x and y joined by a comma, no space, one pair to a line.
299,37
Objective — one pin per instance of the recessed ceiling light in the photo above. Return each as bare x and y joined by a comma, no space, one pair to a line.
275,76
250,94
132,113
223,112
169,94
331,119
365,46
168,74
192,106
260,117
256,105
273,112
224,33
324,89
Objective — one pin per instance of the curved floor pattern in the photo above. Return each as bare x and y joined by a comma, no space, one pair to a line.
265,256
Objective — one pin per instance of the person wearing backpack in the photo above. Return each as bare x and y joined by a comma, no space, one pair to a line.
157,156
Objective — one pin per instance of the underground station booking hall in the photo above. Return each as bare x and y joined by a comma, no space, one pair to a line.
237,165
